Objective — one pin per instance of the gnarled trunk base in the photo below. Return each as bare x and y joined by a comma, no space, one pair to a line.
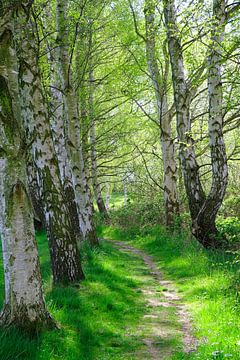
32,319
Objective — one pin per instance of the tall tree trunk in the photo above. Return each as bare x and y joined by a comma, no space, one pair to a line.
164,118
59,131
93,141
205,222
195,193
203,210
75,151
65,257
125,191
24,305
108,195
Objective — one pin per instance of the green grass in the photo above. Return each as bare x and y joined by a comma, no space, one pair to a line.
209,282
101,320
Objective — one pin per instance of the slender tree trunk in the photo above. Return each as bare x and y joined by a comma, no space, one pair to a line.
108,195
58,126
182,100
75,151
125,191
205,222
65,257
96,185
24,305
203,210
160,87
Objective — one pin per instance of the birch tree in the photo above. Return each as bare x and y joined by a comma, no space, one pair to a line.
65,257
24,304
93,138
59,132
203,208
74,144
160,84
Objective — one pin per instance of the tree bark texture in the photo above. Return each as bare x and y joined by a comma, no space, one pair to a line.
24,305
65,257
203,208
160,87
75,151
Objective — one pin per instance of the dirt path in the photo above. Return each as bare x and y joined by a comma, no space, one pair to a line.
166,318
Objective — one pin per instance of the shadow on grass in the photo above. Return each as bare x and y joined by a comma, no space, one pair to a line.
100,311
93,318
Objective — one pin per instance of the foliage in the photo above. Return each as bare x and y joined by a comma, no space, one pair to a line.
139,214
231,206
229,229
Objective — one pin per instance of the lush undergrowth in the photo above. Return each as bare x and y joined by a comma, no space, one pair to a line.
94,319
209,282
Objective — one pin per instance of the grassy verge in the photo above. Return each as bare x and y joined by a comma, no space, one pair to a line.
208,282
98,321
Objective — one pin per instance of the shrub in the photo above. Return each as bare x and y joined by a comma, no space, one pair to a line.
229,229
138,215
231,206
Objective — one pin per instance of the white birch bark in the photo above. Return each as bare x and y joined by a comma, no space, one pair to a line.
75,151
93,142
24,304
164,118
108,195
203,209
182,99
59,132
125,191
65,257
207,215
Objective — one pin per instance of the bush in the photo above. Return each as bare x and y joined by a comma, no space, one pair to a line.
138,215
229,229
231,206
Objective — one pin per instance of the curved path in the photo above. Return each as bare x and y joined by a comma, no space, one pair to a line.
166,318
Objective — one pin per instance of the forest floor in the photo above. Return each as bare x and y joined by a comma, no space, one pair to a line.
140,287
123,310
159,329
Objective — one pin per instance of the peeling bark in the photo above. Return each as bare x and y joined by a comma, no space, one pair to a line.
58,127
65,257
203,209
74,144
95,179
108,195
160,87
24,305
205,222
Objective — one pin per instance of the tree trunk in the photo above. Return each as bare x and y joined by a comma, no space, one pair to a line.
24,305
75,151
205,222
65,257
125,191
96,185
203,210
160,84
58,126
108,195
